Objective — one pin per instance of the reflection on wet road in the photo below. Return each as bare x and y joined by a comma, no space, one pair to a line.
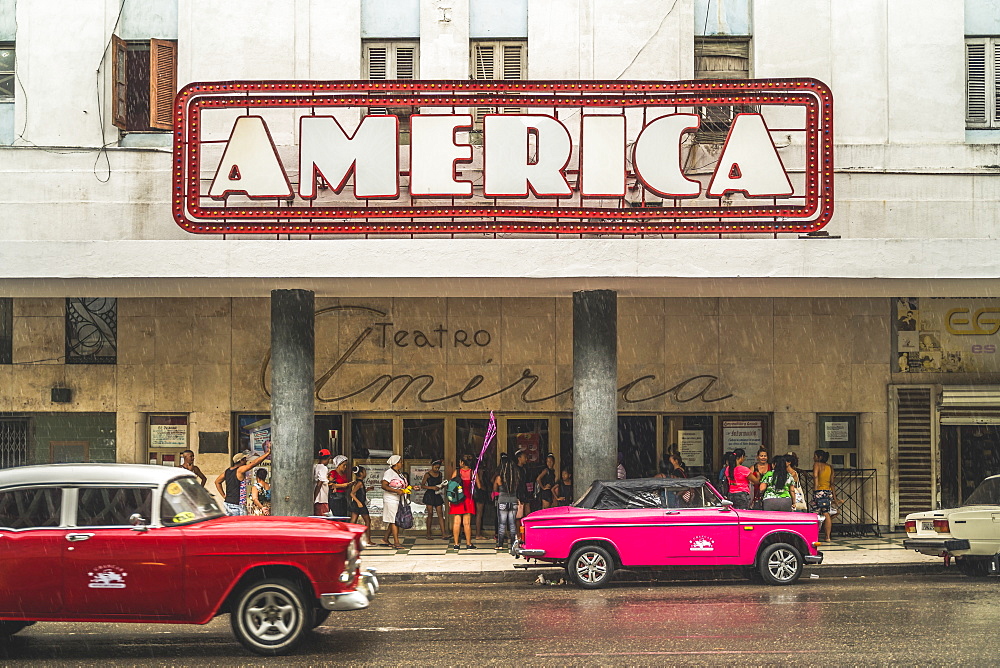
927,620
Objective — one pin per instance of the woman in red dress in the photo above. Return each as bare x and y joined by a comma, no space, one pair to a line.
466,508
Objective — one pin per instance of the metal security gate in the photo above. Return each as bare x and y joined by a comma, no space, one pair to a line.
13,442
913,457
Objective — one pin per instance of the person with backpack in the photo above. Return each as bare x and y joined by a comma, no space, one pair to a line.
463,507
738,479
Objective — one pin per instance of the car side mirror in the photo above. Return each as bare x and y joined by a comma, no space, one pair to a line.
725,504
138,522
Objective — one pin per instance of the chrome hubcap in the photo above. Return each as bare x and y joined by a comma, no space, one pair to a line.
591,567
270,616
782,564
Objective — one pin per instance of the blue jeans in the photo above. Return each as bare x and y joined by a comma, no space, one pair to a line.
235,509
506,521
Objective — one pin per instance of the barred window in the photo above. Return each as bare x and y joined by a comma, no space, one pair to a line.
91,330
6,72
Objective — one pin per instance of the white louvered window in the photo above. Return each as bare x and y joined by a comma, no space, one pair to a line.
392,60
498,60
982,83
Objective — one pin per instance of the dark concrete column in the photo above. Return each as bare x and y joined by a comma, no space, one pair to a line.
595,386
293,361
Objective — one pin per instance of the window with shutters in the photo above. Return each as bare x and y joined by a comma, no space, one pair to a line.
6,71
720,58
392,60
144,76
497,60
982,83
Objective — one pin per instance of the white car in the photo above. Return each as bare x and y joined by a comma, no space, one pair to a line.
969,533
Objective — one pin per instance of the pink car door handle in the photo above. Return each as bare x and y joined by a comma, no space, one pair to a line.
672,512
77,537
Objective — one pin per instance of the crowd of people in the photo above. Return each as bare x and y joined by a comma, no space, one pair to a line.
770,483
776,484
464,495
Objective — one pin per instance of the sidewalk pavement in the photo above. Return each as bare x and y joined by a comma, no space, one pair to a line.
424,560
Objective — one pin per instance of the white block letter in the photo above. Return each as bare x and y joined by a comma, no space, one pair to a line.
749,162
602,156
433,154
250,164
371,154
512,166
657,156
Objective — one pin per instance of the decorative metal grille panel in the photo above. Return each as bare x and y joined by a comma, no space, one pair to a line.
13,442
91,330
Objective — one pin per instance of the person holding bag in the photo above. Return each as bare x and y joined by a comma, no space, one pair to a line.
394,487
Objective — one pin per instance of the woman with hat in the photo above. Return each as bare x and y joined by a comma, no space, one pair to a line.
432,497
339,483
393,487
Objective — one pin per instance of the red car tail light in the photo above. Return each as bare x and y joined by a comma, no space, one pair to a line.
941,526
911,526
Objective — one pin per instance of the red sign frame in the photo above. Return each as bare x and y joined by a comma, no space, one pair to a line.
192,214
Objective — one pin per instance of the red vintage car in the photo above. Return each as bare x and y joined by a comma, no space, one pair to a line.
663,522
137,543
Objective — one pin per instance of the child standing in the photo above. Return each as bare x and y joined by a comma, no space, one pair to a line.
359,501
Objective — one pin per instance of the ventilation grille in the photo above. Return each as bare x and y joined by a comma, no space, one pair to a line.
914,439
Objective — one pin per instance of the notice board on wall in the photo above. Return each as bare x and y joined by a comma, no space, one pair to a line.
210,442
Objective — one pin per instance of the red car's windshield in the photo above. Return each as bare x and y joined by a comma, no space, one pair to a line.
185,501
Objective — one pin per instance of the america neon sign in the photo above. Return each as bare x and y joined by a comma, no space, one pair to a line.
546,157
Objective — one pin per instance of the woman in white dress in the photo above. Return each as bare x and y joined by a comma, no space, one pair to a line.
393,484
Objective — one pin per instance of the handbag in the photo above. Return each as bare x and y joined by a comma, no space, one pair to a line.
404,516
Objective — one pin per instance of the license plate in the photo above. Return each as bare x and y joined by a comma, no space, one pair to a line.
927,526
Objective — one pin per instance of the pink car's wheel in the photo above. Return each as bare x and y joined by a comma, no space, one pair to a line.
780,564
591,567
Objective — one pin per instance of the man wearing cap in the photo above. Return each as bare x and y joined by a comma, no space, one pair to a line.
234,477
339,482
321,476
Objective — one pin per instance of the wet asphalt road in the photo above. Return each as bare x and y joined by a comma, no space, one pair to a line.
846,621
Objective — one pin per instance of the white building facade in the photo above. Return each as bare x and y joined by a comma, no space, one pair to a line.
125,338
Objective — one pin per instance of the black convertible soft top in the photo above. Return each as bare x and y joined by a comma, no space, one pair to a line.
634,493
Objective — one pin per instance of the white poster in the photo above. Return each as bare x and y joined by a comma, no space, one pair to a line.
691,444
373,479
419,509
168,435
746,434
837,431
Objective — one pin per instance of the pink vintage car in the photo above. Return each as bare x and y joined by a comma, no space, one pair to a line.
658,522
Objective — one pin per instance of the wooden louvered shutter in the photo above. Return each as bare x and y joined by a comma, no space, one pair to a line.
119,82
915,478
377,59
483,68
976,73
406,62
162,83
512,68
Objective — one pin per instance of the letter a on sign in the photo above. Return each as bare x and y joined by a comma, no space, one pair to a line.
749,162
250,164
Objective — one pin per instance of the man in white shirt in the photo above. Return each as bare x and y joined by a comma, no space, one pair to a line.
321,478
